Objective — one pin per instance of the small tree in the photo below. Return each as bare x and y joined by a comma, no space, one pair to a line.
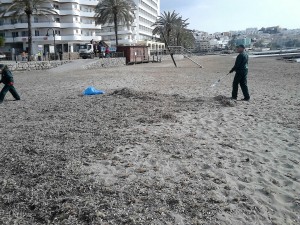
187,39
2,41
180,30
116,12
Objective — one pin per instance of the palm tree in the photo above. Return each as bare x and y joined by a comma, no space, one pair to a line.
115,11
18,8
165,24
180,29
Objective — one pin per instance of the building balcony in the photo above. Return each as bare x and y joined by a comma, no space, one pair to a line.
49,25
67,1
120,32
86,14
25,39
13,26
65,12
90,26
70,25
88,2
66,38
81,2
25,25
69,38
50,39
6,1
46,25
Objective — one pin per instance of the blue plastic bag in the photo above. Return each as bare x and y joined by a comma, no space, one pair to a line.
92,91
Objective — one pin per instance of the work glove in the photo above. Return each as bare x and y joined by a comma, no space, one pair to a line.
10,83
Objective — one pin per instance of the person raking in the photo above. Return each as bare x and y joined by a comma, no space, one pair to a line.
8,81
240,78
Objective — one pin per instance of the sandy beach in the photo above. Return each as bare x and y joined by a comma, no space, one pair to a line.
160,147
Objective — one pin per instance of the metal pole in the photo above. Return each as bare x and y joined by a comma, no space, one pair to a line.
54,44
53,33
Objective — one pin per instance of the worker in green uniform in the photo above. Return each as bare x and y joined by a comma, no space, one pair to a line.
240,78
8,81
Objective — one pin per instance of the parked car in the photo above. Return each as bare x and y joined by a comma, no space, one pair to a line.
2,56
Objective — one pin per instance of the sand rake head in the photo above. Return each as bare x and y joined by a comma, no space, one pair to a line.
218,81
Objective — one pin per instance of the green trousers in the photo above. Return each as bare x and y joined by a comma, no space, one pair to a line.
240,78
11,89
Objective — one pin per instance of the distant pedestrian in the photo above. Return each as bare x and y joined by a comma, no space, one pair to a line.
100,50
8,81
107,52
240,78
23,56
44,55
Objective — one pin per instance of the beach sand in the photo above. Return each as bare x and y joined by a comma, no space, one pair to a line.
160,147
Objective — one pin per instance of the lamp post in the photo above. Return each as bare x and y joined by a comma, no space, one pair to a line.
53,33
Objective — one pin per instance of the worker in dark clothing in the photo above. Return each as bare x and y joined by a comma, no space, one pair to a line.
8,81
241,69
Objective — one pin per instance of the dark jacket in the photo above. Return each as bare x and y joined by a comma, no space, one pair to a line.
6,77
241,63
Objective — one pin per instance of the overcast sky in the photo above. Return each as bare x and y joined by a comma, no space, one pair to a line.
225,15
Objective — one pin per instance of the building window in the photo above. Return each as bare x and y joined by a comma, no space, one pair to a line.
36,19
56,6
13,21
15,34
24,33
57,20
37,33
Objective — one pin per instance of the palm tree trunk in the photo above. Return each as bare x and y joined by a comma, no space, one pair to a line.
29,36
168,37
116,28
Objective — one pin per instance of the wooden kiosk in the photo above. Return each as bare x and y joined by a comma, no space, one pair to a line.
135,54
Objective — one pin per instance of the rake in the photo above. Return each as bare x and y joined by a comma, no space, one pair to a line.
218,81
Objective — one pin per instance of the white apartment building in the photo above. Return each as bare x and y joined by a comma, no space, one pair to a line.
140,32
73,23
203,45
253,30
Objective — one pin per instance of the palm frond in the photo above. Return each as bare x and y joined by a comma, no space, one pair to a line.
117,12
172,26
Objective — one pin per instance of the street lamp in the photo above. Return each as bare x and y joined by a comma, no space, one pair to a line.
53,33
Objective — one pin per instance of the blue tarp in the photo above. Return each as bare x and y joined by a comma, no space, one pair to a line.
92,91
